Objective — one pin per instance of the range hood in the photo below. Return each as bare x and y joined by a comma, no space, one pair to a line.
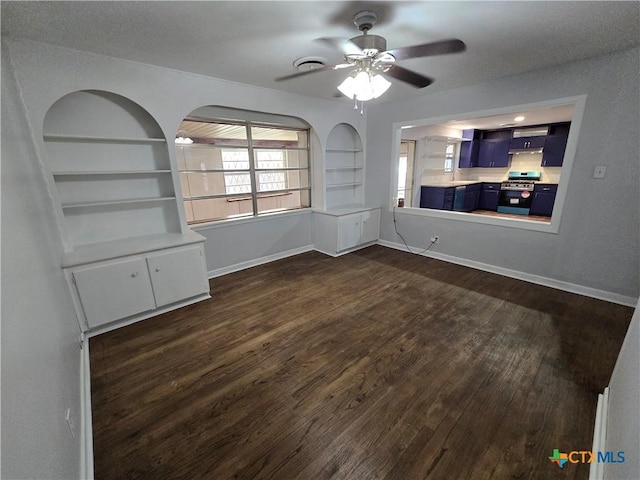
517,151
528,140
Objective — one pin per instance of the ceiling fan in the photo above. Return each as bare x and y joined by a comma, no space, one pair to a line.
371,61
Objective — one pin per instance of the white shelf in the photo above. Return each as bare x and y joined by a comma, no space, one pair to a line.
344,150
79,173
343,167
53,137
344,185
116,202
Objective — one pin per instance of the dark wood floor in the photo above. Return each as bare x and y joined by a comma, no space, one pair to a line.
375,365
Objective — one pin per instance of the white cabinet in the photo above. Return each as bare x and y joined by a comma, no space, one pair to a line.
114,290
177,274
123,288
345,229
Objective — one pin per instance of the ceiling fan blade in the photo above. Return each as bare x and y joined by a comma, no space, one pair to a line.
442,47
347,47
412,78
314,70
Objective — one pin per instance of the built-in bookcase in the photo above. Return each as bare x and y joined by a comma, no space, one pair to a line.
344,167
128,254
111,168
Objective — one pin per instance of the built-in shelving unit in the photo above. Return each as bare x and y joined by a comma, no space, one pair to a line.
344,168
111,168
128,255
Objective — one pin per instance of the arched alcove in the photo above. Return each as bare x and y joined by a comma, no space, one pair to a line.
111,169
343,167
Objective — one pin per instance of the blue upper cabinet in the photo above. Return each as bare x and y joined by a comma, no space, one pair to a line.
494,153
527,142
556,144
469,149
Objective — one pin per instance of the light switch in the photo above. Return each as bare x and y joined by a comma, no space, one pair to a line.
599,171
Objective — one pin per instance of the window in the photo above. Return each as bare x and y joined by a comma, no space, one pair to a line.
478,152
405,172
241,169
448,157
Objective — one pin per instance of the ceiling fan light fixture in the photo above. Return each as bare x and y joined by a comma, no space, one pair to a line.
364,85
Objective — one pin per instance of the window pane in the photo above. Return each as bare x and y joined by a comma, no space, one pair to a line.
270,181
283,201
203,184
209,209
270,158
278,137
214,133
205,157
235,159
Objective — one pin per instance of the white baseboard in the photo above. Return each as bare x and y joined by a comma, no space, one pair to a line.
527,277
258,261
596,469
86,427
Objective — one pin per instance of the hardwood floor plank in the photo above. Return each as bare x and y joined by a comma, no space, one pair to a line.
377,364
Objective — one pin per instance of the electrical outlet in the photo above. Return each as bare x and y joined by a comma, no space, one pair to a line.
435,239
599,171
70,423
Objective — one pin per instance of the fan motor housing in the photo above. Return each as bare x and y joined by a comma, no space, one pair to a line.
370,44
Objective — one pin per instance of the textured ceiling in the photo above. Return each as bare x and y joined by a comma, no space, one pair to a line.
255,42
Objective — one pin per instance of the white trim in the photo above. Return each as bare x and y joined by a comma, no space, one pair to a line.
86,428
344,252
578,101
153,313
258,261
596,469
527,277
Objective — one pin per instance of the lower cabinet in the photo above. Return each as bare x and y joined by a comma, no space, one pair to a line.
489,196
544,197
440,198
345,229
121,288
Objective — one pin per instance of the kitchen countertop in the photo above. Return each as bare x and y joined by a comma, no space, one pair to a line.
453,184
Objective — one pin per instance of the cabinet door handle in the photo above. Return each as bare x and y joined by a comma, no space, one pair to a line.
158,269
134,274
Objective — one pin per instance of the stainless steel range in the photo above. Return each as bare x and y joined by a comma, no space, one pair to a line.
516,192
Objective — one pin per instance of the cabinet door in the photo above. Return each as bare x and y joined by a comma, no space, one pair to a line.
489,199
501,154
544,197
349,231
553,154
528,142
178,274
468,154
485,153
114,290
370,226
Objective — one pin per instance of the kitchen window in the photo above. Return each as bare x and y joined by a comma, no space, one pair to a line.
241,169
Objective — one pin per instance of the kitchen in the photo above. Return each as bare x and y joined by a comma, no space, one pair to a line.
505,166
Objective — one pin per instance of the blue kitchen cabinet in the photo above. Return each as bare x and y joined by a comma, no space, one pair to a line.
493,153
471,197
544,196
469,149
440,198
489,196
556,144
521,143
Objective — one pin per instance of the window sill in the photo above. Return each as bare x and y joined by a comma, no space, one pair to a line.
228,222
522,224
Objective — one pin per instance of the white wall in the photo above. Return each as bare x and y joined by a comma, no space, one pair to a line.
596,246
47,72
623,418
40,334
40,353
